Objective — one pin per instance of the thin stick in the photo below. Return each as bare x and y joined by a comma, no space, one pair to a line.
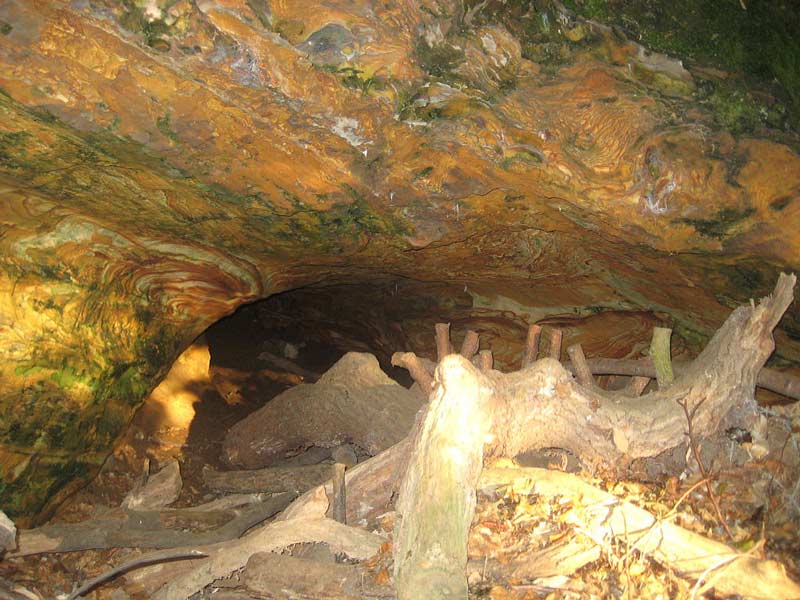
486,360
696,452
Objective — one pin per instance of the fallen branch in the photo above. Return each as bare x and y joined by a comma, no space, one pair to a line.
270,479
690,554
177,581
128,530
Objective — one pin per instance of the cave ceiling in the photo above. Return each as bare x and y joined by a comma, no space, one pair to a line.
162,163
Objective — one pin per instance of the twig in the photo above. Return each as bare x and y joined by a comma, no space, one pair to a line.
696,452
443,347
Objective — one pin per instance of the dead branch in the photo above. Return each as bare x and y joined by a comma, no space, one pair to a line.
270,479
145,529
177,581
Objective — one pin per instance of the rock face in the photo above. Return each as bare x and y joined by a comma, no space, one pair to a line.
162,163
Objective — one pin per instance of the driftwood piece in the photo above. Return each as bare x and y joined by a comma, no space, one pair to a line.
606,517
437,493
270,479
546,408
178,581
145,529
531,345
354,402
286,578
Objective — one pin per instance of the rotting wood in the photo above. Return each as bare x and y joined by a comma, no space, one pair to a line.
690,554
661,355
437,493
556,336
443,346
470,345
143,530
531,345
270,479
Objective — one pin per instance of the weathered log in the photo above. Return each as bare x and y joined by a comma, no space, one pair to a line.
354,402
686,552
437,493
144,529
270,479
636,386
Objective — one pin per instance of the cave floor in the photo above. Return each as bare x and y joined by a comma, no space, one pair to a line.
220,379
